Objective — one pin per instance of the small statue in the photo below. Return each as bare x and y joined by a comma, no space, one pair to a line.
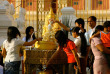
21,20
12,9
49,29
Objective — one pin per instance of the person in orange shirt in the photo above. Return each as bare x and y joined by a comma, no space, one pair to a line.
104,35
69,48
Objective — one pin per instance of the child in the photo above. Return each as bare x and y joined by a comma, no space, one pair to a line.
104,35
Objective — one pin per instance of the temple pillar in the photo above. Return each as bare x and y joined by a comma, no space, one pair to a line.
17,5
87,4
109,5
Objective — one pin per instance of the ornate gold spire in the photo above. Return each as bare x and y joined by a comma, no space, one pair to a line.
51,14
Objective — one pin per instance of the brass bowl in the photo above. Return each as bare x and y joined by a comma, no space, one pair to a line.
45,45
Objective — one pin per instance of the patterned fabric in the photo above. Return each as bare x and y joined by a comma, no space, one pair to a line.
12,67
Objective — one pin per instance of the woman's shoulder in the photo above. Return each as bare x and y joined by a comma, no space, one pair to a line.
96,40
18,40
4,41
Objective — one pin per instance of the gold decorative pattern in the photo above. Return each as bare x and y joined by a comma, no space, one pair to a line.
36,57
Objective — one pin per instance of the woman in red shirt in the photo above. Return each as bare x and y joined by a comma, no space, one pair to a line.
70,49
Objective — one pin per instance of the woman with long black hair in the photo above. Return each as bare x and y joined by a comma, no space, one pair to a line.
29,34
81,45
70,49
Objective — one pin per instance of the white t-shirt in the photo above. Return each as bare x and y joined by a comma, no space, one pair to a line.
78,45
29,40
87,38
12,49
91,31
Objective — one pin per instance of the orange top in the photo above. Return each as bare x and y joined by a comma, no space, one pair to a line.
70,46
105,38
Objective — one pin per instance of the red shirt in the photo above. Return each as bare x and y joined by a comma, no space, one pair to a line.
70,46
105,38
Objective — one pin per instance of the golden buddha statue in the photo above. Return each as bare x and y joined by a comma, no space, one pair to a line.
49,30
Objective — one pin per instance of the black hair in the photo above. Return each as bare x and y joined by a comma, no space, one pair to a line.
27,33
12,33
80,21
93,18
61,38
83,47
106,24
98,28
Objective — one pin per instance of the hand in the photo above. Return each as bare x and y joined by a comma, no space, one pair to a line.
90,39
39,39
80,69
52,21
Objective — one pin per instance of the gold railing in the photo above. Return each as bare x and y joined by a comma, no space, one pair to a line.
36,13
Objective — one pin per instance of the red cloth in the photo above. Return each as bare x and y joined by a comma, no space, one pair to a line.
105,38
70,46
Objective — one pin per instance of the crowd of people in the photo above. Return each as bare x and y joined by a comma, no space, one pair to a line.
94,44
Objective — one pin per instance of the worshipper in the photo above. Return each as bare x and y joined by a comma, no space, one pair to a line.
29,31
81,45
11,50
100,63
28,38
92,24
105,38
80,23
70,49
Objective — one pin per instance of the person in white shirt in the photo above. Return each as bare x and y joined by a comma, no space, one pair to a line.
92,23
11,50
81,45
79,23
29,34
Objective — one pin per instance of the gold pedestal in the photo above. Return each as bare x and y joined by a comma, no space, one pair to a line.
37,57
